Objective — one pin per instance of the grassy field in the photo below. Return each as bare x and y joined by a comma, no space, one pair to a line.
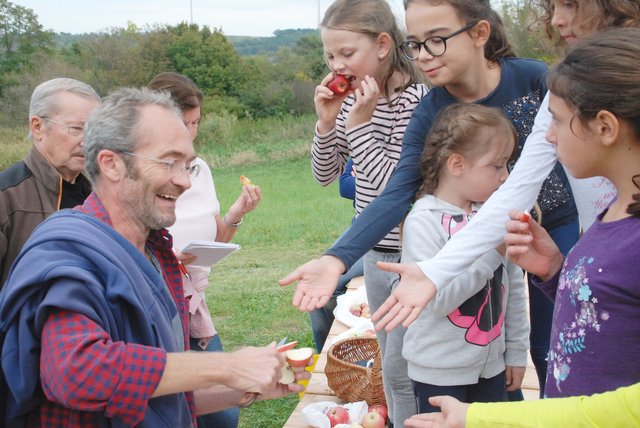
297,220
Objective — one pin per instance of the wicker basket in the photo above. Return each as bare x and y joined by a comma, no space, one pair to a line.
352,382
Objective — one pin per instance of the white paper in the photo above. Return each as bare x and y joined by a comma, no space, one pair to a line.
209,252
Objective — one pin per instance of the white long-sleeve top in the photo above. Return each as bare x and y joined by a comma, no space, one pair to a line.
374,146
486,230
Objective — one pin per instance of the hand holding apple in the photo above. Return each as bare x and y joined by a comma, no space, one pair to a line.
340,84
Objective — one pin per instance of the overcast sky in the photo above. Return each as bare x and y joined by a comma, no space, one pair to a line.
234,17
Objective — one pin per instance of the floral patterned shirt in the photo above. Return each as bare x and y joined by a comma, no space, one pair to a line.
595,335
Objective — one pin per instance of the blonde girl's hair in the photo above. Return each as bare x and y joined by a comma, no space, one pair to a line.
497,46
600,72
593,15
374,17
467,129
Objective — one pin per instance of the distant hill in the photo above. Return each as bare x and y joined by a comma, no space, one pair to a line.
246,45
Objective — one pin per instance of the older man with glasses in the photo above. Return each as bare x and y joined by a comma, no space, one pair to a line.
50,177
93,317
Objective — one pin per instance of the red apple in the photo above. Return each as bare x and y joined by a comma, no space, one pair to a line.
381,409
299,357
337,415
524,217
373,420
340,84
355,310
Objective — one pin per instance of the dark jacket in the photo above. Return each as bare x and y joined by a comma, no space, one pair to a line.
30,191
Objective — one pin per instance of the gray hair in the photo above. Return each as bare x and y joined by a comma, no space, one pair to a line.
44,100
114,124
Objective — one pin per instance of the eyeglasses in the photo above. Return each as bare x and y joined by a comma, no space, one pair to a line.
73,130
174,167
435,46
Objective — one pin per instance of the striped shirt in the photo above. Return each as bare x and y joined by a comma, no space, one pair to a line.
374,146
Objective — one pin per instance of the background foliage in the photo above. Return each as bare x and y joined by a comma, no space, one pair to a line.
245,77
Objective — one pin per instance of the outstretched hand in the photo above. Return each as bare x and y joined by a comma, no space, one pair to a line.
453,414
317,280
530,246
407,300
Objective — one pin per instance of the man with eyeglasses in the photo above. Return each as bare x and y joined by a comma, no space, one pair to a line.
93,318
50,177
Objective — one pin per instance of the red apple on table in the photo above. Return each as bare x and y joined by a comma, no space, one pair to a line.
340,84
337,415
380,409
299,357
355,310
373,420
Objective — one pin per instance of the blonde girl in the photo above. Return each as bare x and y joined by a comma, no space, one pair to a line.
361,41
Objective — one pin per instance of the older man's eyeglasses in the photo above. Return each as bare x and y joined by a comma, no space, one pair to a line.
73,130
435,46
174,167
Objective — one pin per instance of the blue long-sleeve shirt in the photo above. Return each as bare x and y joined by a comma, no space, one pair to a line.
519,94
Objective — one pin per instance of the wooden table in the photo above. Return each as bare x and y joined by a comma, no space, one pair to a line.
318,389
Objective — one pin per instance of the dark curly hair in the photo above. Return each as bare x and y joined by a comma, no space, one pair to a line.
593,15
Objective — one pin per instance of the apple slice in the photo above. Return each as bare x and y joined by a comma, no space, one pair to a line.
287,375
287,346
299,357
246,181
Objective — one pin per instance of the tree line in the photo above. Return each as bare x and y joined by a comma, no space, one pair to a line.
245,78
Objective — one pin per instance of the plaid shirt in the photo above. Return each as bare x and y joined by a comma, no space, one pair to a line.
84,369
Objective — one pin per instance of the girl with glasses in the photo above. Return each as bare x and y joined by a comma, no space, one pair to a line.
596,287
361,42
572,20
473,65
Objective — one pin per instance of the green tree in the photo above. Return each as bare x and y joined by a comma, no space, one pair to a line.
524,33
23,42
208,58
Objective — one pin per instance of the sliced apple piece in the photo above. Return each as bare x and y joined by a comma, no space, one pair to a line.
287,375
299,357
246,181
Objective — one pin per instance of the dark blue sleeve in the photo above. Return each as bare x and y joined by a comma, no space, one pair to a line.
348,182
387,210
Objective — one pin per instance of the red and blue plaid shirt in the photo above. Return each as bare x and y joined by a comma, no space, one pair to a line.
83,371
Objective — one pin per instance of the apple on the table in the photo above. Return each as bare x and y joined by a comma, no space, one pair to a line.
337,415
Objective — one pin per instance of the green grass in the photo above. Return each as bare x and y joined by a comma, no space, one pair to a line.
296,221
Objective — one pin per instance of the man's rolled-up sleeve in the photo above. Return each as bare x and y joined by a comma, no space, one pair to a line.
82,368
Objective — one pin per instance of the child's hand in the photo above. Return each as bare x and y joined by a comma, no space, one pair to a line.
514,376
366,101
327,105
530,246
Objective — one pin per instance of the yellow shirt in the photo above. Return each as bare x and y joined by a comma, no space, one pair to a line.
619,408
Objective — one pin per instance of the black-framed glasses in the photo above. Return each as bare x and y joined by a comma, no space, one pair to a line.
435,46
73,130
174,166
